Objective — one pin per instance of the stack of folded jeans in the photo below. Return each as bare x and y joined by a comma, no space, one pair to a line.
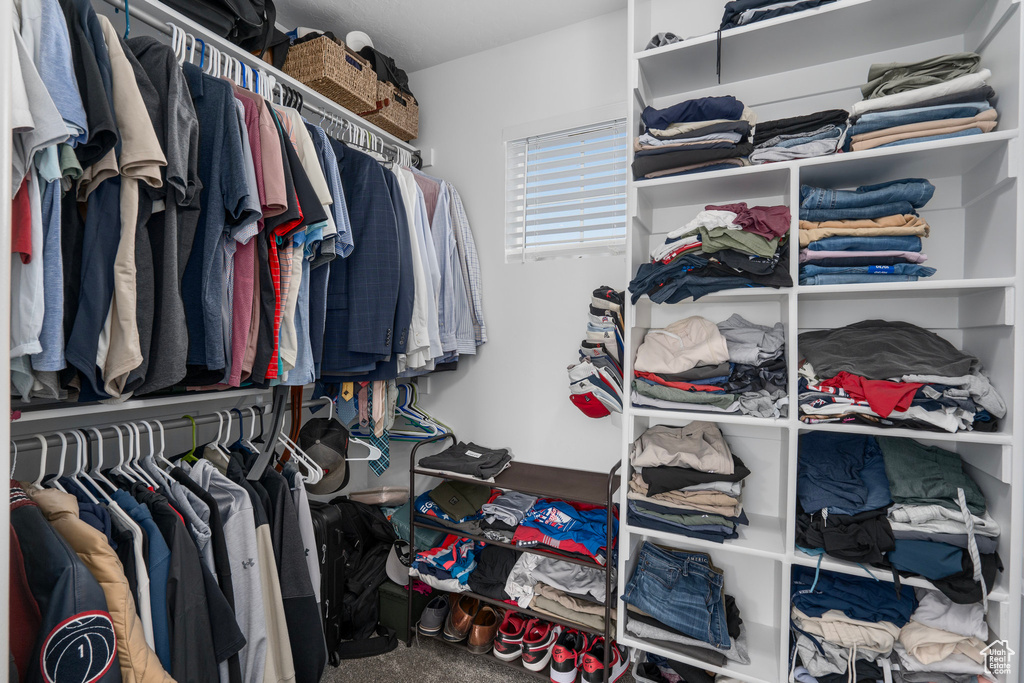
595,382
935,99
844,241
896,504
678,597
686,481
800,137
744,12
724,247
942,641
841,621
894,373
693,364
705,134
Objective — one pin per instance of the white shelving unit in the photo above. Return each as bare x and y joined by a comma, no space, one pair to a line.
796,65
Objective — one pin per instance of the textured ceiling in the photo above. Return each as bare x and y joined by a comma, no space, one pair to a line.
423,33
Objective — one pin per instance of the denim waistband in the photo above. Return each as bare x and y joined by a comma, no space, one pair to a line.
658,559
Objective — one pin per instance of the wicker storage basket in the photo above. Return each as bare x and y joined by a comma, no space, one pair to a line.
396,112
333,71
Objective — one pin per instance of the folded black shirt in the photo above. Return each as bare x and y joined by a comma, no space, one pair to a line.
799,124
664,162
662,479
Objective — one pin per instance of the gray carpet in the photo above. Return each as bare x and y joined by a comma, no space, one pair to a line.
429,661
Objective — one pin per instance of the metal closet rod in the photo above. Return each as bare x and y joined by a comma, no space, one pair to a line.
28,444
161,26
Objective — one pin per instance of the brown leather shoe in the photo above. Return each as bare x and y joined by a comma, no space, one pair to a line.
485,627
460,618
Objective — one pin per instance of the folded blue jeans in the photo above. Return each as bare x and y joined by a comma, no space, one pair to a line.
854,278
878,243
917,191
682,590
858,212
895,269
827,135
869,123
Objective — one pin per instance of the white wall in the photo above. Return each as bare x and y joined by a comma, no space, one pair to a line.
514,392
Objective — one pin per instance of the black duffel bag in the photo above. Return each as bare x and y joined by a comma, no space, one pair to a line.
246,23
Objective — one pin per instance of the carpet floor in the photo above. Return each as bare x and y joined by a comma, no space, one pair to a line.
429,661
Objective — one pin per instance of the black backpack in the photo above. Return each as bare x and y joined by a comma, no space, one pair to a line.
353,542
246,23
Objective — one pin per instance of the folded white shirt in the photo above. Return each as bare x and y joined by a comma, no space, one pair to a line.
910,97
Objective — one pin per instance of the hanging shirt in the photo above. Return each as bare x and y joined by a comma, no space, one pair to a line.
239,525
171,231
223,205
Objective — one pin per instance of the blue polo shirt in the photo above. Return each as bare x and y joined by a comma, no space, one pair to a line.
223,205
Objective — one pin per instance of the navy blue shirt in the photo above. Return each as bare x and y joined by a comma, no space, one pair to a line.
223,205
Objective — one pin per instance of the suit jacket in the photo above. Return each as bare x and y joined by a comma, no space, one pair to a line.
362,292
388,368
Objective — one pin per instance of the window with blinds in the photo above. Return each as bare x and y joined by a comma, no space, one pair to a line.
565,193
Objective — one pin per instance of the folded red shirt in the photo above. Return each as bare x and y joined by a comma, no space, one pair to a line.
883,396
684,386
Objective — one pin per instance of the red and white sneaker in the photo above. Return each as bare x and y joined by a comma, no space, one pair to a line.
538,642
593,662
566,654
508,644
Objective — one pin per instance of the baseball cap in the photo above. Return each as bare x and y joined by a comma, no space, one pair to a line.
399,562
460,499
325,440
589,405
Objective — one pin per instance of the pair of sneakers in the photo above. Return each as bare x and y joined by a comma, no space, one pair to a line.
567,650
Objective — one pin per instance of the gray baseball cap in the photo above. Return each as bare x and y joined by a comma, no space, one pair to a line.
325,440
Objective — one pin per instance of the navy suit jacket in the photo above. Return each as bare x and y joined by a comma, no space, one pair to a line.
362,292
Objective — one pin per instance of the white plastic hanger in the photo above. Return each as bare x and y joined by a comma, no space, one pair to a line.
80,465
119,468
60,464
97,469
375,453
136,463
163,445
14,457
38,483
314,472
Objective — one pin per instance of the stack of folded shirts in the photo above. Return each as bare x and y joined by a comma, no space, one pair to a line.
800,137
572,529
448,566
705,134
504,514
560,589
693,364
468,460
745,12
943,639
871,234
845,621
455,505
894,373
595,383
678,597
724,247
686,481
935,99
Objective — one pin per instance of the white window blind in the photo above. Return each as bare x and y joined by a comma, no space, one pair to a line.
565,193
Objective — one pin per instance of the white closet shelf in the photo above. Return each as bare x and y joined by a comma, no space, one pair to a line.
765,536
927,287
752,294
762,643
718,418
185,401
997,594
837,31
932,159
996,438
